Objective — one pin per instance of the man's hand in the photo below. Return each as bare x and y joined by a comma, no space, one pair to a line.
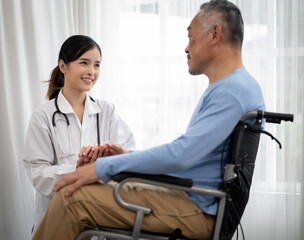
82,176
111,149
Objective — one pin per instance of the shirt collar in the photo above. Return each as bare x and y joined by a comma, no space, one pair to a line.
63,104
91,107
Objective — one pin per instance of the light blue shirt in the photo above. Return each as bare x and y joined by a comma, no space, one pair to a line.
197,153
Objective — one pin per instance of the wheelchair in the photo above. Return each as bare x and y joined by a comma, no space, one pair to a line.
232,195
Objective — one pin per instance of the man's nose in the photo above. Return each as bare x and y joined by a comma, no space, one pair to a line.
187,49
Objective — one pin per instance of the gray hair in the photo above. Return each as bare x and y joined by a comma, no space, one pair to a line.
225,14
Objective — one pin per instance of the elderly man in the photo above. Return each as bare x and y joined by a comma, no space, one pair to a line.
214,49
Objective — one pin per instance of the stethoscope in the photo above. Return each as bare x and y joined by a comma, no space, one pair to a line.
68,126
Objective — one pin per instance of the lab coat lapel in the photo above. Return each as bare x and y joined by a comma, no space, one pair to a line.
91,108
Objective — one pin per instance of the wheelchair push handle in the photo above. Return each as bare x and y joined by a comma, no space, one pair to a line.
278,116
271,117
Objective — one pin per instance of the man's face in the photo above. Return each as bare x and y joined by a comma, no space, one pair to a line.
198,51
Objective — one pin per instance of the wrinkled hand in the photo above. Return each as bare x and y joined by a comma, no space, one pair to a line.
82,176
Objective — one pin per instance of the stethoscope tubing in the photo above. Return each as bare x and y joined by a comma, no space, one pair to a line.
67,120
58,111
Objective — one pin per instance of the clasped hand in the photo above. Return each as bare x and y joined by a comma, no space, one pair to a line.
90,153
85,172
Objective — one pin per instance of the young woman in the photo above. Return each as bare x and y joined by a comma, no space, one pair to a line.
70,120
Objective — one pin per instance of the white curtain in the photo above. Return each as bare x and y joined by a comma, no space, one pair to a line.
144,73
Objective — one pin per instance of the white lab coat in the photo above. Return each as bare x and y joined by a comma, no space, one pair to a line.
51,152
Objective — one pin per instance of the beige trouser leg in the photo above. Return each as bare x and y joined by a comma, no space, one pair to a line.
94,205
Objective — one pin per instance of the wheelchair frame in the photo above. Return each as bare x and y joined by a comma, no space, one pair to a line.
179,184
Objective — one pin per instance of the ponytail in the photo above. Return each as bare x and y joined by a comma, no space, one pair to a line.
55,83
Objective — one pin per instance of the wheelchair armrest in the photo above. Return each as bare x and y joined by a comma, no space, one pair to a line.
185,182
182,184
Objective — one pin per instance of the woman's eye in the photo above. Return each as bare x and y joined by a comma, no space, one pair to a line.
83,63
97,65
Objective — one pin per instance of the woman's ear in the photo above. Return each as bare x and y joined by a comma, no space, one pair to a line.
62,66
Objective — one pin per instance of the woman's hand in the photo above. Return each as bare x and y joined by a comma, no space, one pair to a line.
83,156
90,153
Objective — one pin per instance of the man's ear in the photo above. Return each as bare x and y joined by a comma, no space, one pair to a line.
216,32
62,66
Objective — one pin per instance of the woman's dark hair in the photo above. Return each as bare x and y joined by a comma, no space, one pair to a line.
71,50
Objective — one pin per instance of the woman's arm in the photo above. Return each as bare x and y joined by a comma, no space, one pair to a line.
39,156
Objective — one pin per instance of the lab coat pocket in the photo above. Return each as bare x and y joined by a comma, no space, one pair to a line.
63,139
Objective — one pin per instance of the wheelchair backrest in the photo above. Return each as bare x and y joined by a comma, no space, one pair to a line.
237,180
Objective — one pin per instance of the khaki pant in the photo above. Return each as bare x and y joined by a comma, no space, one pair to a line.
94,205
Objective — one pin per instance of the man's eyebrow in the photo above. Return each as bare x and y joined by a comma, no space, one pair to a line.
188,28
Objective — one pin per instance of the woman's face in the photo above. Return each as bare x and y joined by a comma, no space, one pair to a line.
82,74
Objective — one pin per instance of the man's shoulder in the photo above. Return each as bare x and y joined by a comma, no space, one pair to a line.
239,76
238,87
